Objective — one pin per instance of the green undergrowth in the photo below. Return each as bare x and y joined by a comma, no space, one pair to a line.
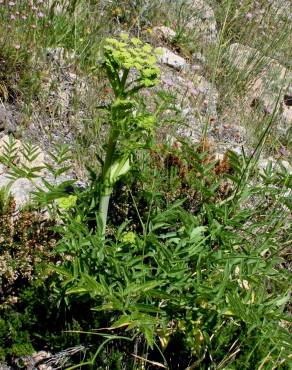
192,263
168,256
193,270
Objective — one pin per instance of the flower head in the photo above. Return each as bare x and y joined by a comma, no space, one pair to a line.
131,53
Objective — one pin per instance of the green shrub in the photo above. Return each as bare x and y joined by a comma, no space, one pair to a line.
192,276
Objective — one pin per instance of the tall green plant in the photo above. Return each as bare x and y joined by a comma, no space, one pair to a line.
130,66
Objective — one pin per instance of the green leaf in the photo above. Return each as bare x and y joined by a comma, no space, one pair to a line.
67,202
118,169
144,287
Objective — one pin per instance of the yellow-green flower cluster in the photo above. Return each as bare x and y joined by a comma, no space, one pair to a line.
131,53
145,121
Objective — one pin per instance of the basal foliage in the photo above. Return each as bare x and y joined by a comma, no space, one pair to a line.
192,277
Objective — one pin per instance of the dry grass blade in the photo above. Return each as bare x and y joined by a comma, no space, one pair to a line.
155,363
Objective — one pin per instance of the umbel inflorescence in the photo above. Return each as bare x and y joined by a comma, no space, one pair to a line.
127,53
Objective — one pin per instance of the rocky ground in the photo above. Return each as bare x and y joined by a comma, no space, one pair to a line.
196,100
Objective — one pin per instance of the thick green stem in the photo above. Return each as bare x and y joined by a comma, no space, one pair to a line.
110,151
106,187
103,210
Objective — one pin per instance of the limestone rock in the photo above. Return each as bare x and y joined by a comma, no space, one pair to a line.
282,8
58,7
198,58
4,180
60,56
277,165
8,121
22,188
20,159
35,361
200,20
171,59
195,101
19,186
164,33
271,86
244,57
4,367
21,191
2,169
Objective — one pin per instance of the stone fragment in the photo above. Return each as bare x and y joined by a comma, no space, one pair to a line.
2,169
164,33
21,190
198,58
7,121
33,362
4,180
244,57
171,59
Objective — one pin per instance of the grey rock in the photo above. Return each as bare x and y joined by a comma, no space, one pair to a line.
60,57
271,85
171,59
34,361
2,169
4,180
5,367
59,7
277,165
198,58
21,190
20,159
58,118
200,20
164,33
196,102
282,8
244,57
7,121
195,99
